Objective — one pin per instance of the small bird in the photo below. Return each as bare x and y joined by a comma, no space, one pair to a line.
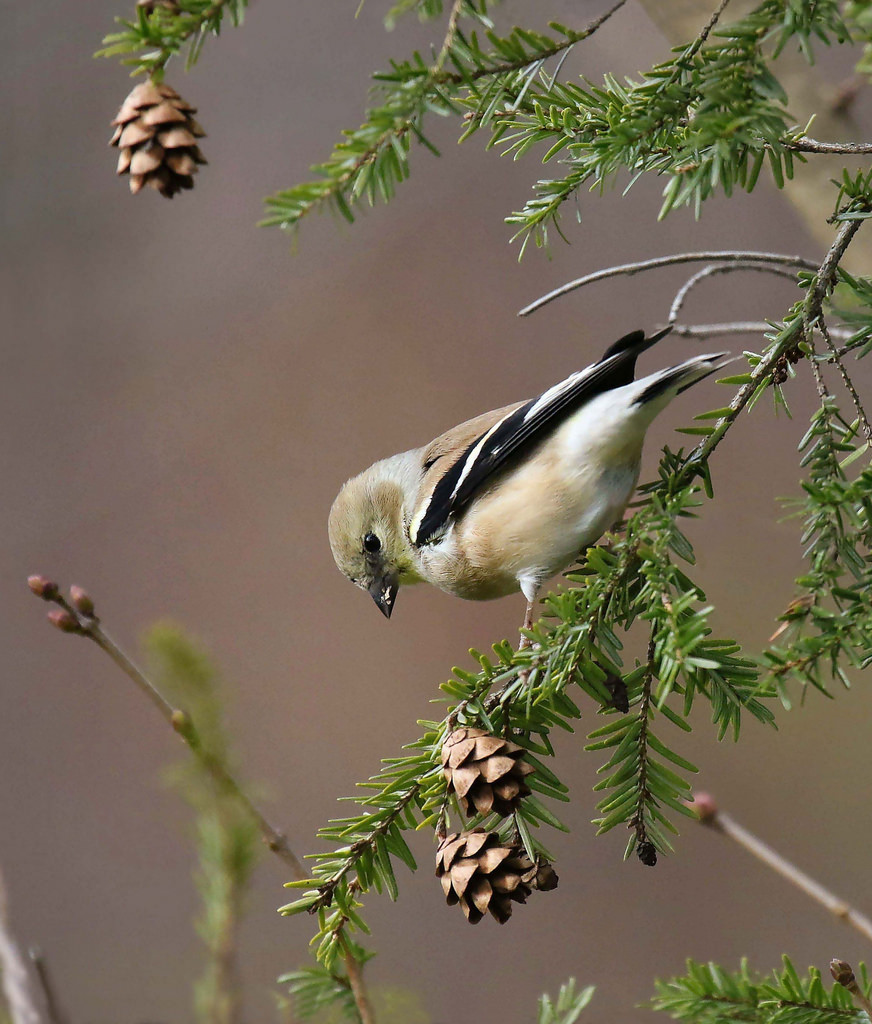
505,500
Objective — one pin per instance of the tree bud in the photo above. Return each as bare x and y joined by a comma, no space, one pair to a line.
704,806
64,621
81,601
181,721
43,587
842,973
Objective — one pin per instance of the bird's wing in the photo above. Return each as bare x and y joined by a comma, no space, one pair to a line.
493,442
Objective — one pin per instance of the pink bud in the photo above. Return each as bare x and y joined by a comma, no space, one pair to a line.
64,621
81,601
43,587
704,806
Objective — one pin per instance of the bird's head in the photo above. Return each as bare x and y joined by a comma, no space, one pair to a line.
368,535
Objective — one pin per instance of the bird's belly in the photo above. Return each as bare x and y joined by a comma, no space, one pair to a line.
529,529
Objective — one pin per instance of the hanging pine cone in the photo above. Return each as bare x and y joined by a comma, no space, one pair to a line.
478,871
485,771
157,135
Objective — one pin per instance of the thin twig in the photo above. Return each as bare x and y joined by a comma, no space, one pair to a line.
49,994
826,274
88,625
456,78
846,380
701,38
825,277
355,981
741,327
17,985
724,256
721,268
806,145
713,817
821,385
277,841
450,36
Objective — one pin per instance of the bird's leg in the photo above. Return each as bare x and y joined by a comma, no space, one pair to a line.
528,624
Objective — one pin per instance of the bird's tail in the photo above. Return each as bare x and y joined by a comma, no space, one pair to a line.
666,384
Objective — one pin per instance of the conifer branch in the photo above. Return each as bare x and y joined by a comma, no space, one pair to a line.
784,341
156,36
645,849
710,815
373,159
542,55
708,994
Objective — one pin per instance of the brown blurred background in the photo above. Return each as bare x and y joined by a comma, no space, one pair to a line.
183,394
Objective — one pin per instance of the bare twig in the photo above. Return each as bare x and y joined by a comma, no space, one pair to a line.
741,327
846,380
843,973
725,256
17,984
49,994
89,626
721,268
807,145
710,815
356,983
77,616
277,841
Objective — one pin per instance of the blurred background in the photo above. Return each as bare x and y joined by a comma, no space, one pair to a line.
182,396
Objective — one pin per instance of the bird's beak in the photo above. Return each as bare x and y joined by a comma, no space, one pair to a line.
384,591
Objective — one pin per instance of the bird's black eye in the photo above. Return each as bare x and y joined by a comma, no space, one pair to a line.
371,543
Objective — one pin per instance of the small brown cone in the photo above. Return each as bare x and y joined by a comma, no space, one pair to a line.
481,873
157,135
486,772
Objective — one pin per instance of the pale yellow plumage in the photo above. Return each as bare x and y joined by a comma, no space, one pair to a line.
525,521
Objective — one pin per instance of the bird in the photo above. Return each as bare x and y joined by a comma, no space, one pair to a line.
504,501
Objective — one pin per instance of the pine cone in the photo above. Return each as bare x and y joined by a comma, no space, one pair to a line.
480,873
157,135
485,771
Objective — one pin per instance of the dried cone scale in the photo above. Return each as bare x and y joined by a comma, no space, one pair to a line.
157,135
481,873
487,772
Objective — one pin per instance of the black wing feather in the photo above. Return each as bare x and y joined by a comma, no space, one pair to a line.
508,440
